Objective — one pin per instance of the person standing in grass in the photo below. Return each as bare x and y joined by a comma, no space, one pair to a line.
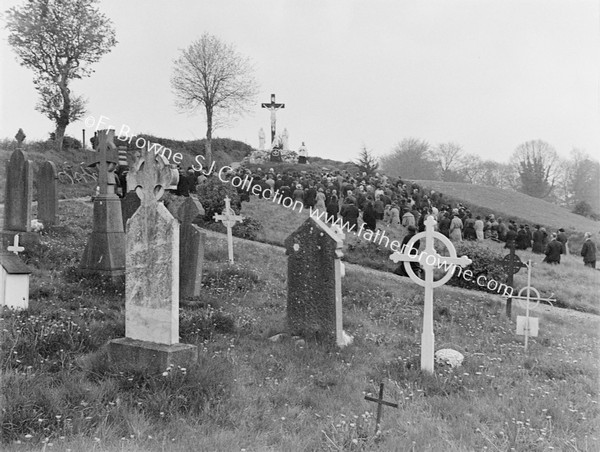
553,251
538,240
456,227
478,226
588,251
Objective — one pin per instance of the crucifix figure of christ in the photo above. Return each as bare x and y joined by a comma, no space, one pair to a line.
229,219
511,264
273,106
430,260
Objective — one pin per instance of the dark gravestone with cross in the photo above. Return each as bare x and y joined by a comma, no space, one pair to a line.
105,250
273,106
18,198
511,264
380,402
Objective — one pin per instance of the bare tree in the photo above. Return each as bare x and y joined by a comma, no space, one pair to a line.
448,157
59,40
211,75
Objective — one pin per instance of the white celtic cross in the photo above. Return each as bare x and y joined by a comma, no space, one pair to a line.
430,260
229,219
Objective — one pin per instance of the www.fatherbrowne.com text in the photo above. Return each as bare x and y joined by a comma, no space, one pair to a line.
378,236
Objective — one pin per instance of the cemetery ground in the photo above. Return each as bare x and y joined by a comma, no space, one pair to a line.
250,393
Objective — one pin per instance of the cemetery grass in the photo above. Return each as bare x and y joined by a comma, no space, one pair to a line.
250,393
572,284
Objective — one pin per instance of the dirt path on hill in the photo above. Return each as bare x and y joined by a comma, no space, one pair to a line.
350,268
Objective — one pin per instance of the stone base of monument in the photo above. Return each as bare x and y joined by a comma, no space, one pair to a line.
150,356
26,239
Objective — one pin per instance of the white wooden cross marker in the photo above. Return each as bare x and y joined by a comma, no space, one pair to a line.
526,325
15,248
229,219
430,260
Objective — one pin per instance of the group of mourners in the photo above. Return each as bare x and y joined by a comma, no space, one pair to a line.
394,203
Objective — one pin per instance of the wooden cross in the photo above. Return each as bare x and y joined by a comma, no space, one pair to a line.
380,402
511,263
273,106
151,175
15,248
430,260
229,219
523,322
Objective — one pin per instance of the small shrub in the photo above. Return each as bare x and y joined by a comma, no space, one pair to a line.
212,195
485,262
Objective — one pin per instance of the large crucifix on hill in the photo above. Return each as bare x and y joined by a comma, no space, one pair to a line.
273,106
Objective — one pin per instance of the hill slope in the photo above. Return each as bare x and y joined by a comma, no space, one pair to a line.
483,200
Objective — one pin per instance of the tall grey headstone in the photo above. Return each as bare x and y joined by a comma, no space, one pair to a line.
18,197
152,276
314,305
191,248
47,194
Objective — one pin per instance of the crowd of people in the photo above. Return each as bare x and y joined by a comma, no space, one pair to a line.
384,202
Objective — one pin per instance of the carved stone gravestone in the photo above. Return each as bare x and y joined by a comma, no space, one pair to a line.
105,250
152,277
18,197
47,194
314,305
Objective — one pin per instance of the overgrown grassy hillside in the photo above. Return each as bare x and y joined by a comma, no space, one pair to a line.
483,200
250,393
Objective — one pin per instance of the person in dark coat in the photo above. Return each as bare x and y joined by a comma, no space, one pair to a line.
349,213
470,228
511,235
370,216
333,207
414,250
588,251
538,240
562,238
522,242
553,251
444,226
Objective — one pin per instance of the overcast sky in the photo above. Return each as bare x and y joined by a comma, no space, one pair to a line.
488,75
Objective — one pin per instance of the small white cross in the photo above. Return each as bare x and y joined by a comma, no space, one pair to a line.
15,248
229,219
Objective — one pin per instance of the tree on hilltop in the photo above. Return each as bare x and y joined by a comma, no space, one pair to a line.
367,162
411,159
211,75
59,40
537,164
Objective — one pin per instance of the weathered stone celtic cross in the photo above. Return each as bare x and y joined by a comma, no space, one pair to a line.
430,260
229,219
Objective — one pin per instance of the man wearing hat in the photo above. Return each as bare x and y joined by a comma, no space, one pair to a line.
588,251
